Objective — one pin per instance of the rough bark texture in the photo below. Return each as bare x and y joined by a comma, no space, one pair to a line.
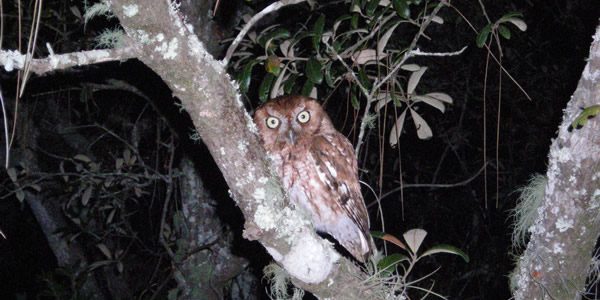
170,49
208,264
206,22
558,257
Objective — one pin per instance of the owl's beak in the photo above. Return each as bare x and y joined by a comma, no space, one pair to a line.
291,137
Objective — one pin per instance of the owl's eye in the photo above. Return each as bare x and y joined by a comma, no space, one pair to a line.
303,117
272,122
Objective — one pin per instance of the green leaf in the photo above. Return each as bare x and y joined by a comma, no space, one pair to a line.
279,33
307,88
483,35
401,7
388,263
313,70
339,21
354,21
245,76
377,234
371,6
289,84
504,31
328,76
354,101
364,79
265,87
318,32
446,249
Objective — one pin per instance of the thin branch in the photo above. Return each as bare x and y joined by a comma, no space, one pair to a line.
15,60
430,185
418,52
269,9
492,54
356,80
5,117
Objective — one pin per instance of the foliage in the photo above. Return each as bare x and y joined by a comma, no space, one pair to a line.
393,271
499,28
107,188
360,52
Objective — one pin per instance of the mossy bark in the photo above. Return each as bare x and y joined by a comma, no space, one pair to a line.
558,257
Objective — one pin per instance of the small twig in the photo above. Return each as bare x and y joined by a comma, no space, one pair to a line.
429,185
6,143
168,196
418,52
206,246
492,54
35,26
214,12
269,9
356,80
2,234
370,35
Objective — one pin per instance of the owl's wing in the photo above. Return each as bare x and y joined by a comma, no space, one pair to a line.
337,168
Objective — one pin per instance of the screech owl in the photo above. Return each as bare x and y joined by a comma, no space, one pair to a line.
317,167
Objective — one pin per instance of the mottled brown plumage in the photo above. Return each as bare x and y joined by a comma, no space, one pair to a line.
318,168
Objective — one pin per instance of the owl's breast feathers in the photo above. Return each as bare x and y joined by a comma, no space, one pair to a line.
320,174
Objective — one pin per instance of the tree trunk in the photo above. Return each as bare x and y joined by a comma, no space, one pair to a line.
558,257
208,265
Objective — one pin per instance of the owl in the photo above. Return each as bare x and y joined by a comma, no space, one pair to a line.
318,169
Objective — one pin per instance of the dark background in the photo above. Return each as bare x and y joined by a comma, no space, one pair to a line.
546,60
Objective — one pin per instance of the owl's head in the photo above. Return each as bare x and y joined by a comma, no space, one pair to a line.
290,120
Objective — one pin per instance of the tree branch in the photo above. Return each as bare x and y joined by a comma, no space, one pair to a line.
13,59
267,10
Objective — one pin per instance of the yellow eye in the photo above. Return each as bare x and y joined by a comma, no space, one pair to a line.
272,122
303,117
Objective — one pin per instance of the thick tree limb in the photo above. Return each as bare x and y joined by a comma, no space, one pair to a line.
559,254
